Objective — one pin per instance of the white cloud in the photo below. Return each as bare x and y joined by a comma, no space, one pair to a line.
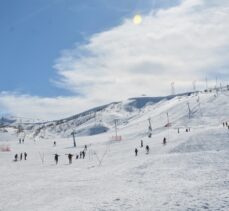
184,43
27,106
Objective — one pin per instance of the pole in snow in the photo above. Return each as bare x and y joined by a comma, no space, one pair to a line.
194,85
167,117
198,101
73,136
189,110
116,130
150,126
172,88
206,81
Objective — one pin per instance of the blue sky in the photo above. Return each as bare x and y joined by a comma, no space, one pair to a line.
61,57
33,33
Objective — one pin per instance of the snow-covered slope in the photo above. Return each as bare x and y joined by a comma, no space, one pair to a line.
190,172
94,121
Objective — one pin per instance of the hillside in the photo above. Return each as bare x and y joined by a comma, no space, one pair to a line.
92,122
190,172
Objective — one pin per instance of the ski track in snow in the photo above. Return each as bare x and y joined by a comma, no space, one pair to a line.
191,172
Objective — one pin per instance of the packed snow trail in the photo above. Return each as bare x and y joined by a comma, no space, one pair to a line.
191,172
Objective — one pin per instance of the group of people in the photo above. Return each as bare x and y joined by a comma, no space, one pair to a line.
17,158
21,140
147,148
186,130
225,124
82,155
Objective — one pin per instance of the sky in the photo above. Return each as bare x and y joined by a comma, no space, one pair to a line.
61,57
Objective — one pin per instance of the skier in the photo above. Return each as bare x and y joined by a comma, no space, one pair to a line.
23,140
147,149
223,124
178,130
56,156
83,154
19,141
186,130
85,147
15,157
77,156
21,156
80,154
70,158
164,141
136,152
54,143
25,155
141,143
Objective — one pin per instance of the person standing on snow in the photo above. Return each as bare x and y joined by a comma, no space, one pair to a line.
164,141
147,149
70,158
136,152
85,148
25,155
21,156
15,157
83,154
56,157
141,143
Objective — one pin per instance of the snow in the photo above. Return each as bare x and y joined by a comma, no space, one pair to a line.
191,172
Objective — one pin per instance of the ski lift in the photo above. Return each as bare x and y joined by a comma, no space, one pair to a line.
150,129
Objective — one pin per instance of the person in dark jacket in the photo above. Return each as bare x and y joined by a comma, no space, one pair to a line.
141,143
164,141
15,157
21,156
56,158
136,152
83,154
147,149
25,155
70,158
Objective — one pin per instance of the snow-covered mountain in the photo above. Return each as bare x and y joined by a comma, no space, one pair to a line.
181,110
7,120
94,121
189,172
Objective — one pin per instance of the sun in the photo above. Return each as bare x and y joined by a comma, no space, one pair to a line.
137,19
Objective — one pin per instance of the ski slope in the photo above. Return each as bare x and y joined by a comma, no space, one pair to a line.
191,172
